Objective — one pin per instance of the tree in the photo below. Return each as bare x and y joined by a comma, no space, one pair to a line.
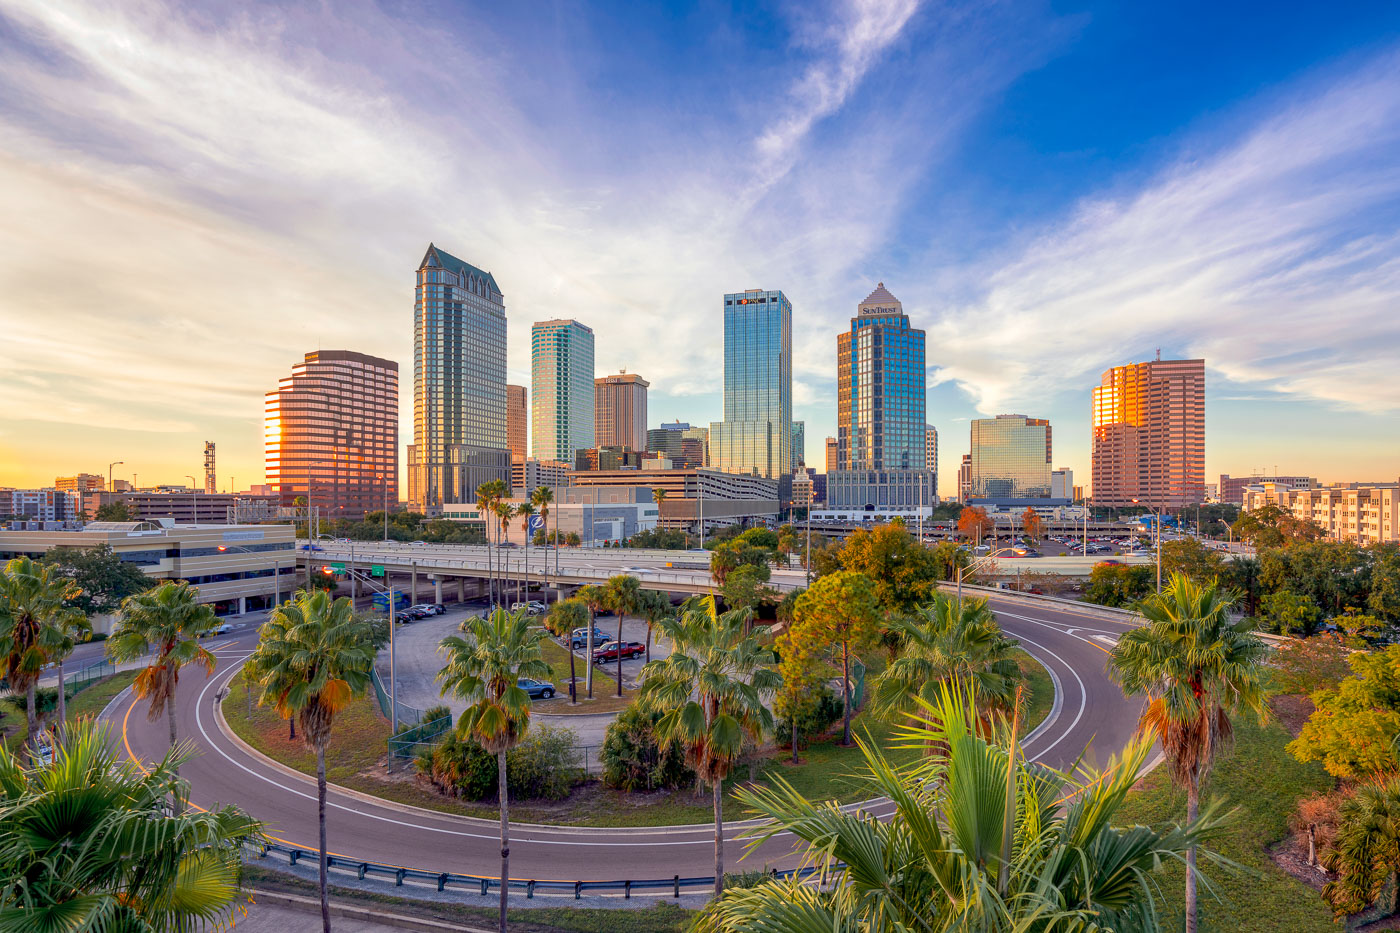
949,641
1118,584
658,495
634,758
711,691
165,622
113,512
1366,853
1192,559
104,578
484,672
902,571
979,839
1354,729
800,664
744,588
87,843
563,618
1032,525
596,599
840,610
1335,575
1197,670
655,606
543,499
36,628
624,595
572,539
1384,598
1306,665
948,557
1270,527
486,496
1290,614
975,523
1242,576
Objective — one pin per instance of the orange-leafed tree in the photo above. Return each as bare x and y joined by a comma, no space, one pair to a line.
1032,524
974,522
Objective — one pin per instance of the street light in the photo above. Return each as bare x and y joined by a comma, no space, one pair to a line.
388,590
109,473
276,572
972,567
1157,536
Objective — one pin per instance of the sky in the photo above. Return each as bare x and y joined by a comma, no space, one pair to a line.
192,196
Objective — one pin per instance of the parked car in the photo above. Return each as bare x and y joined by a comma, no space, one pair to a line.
428,609
611,651
536,688
411,614
534,607
578,638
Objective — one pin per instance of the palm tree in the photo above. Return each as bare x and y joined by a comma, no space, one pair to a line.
485,672
624,598
1366,853
980,839
35,628
165,622
503,510
949,639
1197,669
543,498
596,599
655,606
526,511
485,504
711,689
313,657
85,843
563,618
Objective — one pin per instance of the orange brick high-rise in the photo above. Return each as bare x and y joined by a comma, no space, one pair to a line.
1149,442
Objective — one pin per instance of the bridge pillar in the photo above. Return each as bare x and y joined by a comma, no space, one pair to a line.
437,589
461,589
413,593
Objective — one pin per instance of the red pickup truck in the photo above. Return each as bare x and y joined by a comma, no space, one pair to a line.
611,651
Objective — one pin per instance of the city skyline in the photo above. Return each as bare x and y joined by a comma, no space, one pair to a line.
1192,220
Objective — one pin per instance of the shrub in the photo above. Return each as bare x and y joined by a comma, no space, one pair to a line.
436,712
544,766
633,759
813,719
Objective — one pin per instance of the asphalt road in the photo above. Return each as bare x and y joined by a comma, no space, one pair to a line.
1089,713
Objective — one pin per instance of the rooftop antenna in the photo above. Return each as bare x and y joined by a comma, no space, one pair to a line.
1159,354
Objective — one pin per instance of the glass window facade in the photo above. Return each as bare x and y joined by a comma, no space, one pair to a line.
561,389
1010,458
1149,440
755,436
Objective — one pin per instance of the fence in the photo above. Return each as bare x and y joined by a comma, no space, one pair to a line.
484,884
86,677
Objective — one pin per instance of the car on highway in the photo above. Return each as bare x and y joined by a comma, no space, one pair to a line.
636,570
1025,552
612,650
536,688
578,638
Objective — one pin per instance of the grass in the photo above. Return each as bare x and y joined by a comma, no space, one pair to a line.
605,699
358,743
661,917
1263,783
87,702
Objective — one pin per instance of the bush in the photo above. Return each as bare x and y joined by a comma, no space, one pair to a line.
633,759
436,712
544,766
813,719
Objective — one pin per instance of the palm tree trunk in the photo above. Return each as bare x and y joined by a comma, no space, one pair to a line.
31,715
62,705
176,807
845,693
794,737
1193,805
505,834
588,673
321,820
573,676
719,837
649,641
620,617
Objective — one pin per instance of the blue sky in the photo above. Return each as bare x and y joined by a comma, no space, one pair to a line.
199,194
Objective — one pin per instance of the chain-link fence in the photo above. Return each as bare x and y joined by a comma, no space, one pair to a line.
87,676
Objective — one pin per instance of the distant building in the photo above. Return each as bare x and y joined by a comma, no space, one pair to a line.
693,496
803,490
965,478
517,422
931,450
1010,458
83,482
531,473
683,445
831,455
799,444
1062,484
1364,513
193,507
607,458
620,411
1231,488
561,389
44,506
1149,434
755,436
459,383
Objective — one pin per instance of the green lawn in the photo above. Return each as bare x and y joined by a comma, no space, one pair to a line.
88,702
1264,783
605,699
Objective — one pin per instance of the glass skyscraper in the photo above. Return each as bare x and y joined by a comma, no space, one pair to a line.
1010,458
459,382
881,436
561,389
755,436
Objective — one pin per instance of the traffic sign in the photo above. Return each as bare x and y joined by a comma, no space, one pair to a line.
376,570
336,565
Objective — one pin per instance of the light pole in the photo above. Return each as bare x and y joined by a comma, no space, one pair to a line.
1157,537
109,473
972,567
388,590
276,571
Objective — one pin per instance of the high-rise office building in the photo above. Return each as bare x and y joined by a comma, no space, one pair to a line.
1062,484
831,459
881,437
799,444
1010,458
755,436
517,422
1149,434
459,383
561,389
331,434
931,450
965,478
620,411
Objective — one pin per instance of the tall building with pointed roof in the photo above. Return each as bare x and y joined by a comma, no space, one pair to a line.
881,435
459,382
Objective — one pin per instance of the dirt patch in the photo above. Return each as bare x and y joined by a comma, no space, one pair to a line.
1291,855
1292,710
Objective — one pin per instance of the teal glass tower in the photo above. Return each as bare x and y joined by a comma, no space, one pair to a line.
755,436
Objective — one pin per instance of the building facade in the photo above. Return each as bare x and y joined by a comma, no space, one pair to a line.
1062,484
881,434
755,436
459,383
530,474
331,434
607,458
1149,434
1231,488
43,506
81,483
1010,458
799,444
561,389
517,422
620,411
965,478
1363,513
931,451
694,498
831,455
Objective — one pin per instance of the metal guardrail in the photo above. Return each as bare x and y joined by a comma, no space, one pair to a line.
485,884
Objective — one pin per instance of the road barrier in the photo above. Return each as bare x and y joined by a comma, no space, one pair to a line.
485,884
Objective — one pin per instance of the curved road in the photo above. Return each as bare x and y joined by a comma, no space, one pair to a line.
1089,712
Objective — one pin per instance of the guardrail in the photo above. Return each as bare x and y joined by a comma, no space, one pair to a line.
485,884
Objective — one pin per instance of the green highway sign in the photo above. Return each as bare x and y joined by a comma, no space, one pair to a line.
336,565
376,570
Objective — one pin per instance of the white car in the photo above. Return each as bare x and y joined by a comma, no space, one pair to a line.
223,628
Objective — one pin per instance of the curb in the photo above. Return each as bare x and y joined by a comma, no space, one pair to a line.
401,921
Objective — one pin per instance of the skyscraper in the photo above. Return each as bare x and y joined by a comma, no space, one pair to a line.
799,444
1149,441
931,451
755,436
459,382
331,434
831,455
1010,458
620,411
517,421
965,478
561,389
881,437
